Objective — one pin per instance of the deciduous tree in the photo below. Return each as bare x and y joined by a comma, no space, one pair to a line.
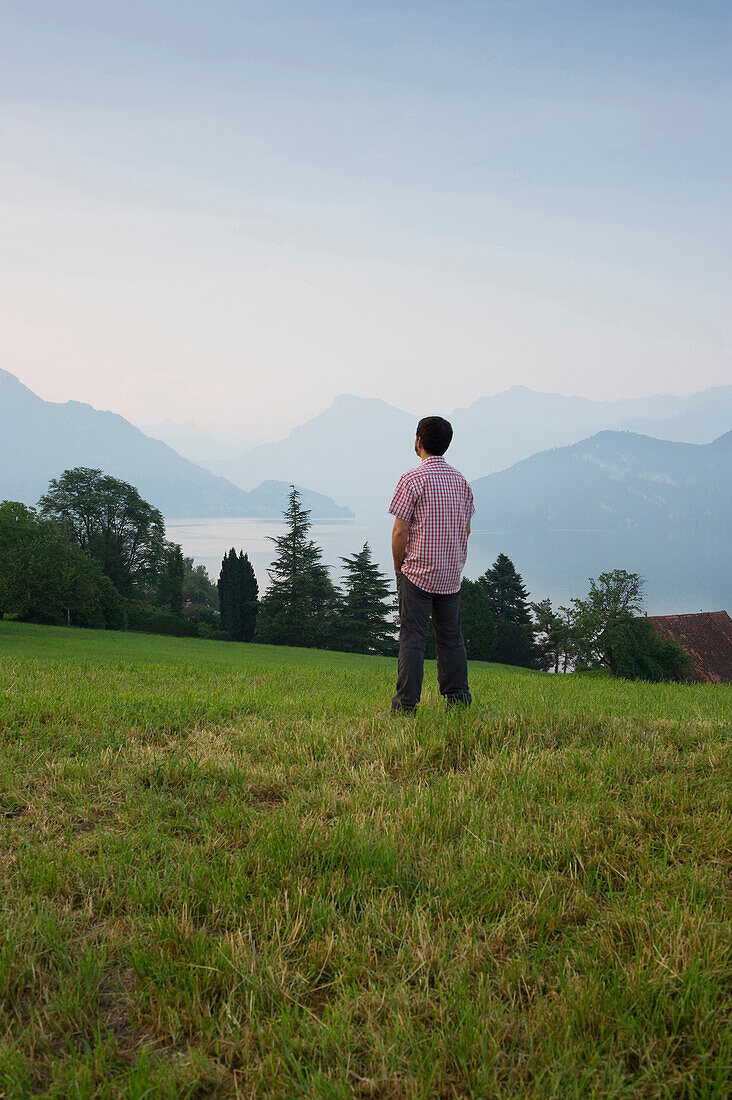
44,578
109,519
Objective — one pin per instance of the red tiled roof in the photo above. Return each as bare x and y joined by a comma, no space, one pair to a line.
707,636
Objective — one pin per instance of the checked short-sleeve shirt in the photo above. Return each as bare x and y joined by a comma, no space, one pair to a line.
437,503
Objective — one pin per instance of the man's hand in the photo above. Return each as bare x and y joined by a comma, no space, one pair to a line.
399,538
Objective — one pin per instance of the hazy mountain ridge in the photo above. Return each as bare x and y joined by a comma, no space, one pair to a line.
356,449
189,440
614,481
40,439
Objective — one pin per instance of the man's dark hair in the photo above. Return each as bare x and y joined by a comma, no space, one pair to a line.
435,433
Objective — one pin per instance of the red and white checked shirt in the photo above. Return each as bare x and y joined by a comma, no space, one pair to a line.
437,503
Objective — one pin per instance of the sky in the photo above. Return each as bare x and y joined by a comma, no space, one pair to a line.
232,212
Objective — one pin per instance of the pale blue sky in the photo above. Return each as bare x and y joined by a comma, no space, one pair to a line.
233,212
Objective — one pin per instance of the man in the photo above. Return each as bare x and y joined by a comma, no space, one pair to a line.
432,506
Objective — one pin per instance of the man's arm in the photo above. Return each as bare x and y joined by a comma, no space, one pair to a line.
399,536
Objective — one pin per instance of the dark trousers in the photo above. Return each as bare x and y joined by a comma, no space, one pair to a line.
415,608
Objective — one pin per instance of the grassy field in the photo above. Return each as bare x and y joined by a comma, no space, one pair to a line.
226,871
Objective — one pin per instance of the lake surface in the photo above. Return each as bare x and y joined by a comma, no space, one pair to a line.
682,574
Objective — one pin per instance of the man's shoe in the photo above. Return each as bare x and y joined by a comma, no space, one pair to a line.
458,701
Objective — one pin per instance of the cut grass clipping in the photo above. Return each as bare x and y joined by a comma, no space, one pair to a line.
226,871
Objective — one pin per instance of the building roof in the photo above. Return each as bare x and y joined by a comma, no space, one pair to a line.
707,636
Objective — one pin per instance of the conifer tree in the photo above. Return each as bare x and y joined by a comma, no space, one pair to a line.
508,600
249,602
365,623
170,581
300,603
226,587
479,628
238,592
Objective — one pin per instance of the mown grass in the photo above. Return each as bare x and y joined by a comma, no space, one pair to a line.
227,872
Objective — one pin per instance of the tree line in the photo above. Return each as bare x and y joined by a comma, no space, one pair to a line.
94,553
303,607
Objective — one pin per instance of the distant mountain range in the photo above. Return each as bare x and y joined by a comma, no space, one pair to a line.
356,449
616,501
614,481
190,441
564,506
40,439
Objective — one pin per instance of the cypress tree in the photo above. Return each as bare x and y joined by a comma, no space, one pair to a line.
365,623
226,586
248,598
238,591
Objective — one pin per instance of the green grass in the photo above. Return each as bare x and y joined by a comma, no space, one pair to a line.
225,871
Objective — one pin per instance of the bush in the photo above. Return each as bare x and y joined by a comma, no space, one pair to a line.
636,651
154,620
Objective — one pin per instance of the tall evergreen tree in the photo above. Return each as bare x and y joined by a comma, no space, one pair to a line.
238,592
365,623
508,600
300,603
170,582
479,627
249,590
507,596
226,588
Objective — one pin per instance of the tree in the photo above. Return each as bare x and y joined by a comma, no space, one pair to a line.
170,581
555,635
238,591
612,602
507,596
299,606
109,519
365,623
508,601
479,627
636,651
198,588
46,579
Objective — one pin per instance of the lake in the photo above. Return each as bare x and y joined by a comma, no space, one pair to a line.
683,574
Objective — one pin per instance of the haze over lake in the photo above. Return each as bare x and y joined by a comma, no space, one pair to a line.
555,564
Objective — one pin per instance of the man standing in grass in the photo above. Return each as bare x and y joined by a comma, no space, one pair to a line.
432,506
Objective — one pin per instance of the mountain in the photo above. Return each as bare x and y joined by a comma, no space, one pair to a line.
495,432
701,423
614,481
616,501
271,498
356,449
189,440
40,439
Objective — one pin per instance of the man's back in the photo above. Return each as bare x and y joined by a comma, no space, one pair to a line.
437,503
